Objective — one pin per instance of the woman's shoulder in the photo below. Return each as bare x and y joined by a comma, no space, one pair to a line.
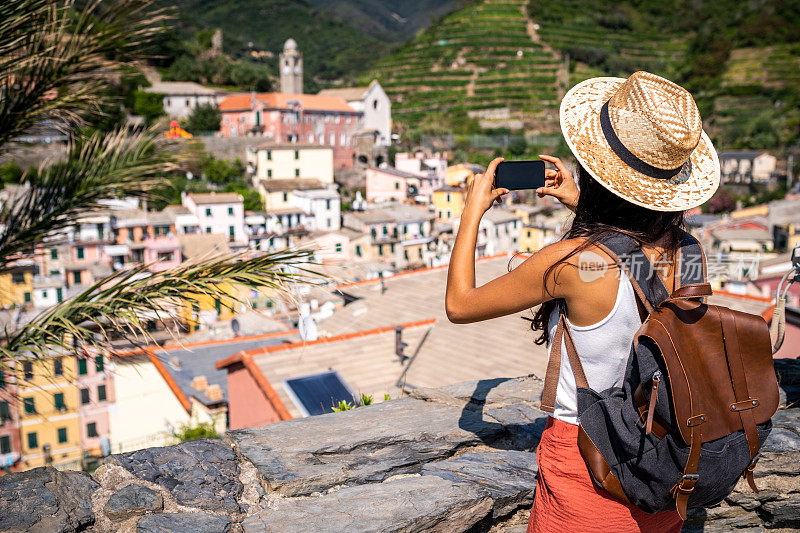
565,251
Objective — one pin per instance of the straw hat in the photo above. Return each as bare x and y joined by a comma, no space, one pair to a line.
641,138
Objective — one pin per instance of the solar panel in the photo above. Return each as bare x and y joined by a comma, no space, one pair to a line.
317,394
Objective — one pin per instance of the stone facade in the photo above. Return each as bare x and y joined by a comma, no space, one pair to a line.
455,458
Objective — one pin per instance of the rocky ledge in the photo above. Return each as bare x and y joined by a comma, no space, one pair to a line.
456,458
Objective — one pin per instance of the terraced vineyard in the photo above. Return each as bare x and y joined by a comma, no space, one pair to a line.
483,62
491,62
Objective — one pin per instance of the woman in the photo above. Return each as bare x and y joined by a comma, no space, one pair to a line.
643,160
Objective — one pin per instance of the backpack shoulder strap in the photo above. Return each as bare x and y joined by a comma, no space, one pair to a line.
649,288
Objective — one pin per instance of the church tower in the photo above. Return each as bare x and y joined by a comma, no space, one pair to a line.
291,68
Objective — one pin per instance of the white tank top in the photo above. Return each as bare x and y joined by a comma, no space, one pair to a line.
603,348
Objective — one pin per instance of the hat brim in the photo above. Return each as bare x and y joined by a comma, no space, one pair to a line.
579,115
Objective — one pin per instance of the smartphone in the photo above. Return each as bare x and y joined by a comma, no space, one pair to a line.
516,175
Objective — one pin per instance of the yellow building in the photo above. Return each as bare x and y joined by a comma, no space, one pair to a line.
48,410
448,202
16,286
533,238
290,161
761,210
207,309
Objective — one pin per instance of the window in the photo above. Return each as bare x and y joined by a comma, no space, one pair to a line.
380,249
269,155
5,444
327,204
76,278
297,154
332,139
91,429
231,231
82,366
391,247
79,252
55,272
310,136
269,172
208,229
98,363
386,230
62,435
33,441
286,197
27,369
44,294
396,185
101,393
218,306
375,104
27,297
85,396
338,247
342,139
58,401
5,410
58,366
358,250
230,211
405,254
440,213
208,211
297,173
29,406
419,250
53,253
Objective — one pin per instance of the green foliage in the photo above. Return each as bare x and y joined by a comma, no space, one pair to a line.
386,396
10,173
366,399
342,406
148,105
203,430
221,70
204,117
222,171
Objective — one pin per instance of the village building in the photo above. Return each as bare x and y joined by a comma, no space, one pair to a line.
290,161
374,103
181,97
747,166
220,213
448,202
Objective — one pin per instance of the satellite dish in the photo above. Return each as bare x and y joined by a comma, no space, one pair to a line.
308,329
235,327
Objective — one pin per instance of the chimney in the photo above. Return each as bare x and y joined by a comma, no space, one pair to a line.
199,383
399,345
214,393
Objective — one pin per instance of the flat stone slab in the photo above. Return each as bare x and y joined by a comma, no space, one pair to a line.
183,523
131,500
522,422
485,393
362,445
201,473
46,500
409,504
508,475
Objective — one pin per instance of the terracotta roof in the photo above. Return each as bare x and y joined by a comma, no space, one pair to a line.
216,198
365,359
311,102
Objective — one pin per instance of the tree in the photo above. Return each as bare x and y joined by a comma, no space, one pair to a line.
61,59
204,117
148,105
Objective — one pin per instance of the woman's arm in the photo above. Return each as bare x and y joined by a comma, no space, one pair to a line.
520,289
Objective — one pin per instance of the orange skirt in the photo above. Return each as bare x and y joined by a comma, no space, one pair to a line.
567,500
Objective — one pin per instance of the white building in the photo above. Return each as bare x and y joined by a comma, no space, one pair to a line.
220,213
375,105
186,222
498,232
747,165
419,164
323,206
180,97
291,161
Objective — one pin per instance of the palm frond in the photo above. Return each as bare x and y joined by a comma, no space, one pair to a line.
97,167
125,301
57,59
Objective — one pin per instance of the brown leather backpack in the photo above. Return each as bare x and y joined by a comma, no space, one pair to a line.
697,396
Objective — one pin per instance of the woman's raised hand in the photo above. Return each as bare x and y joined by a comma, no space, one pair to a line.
481,193
559,183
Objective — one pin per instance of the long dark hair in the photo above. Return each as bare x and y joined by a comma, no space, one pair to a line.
599,213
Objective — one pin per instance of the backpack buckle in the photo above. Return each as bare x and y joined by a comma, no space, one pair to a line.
687,483
752,465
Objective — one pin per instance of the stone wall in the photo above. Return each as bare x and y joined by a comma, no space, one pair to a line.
456,458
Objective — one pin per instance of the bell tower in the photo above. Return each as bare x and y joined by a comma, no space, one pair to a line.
291,68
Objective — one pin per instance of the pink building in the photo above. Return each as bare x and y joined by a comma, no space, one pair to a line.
10,445
390,184
294,118
433,166
96,390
